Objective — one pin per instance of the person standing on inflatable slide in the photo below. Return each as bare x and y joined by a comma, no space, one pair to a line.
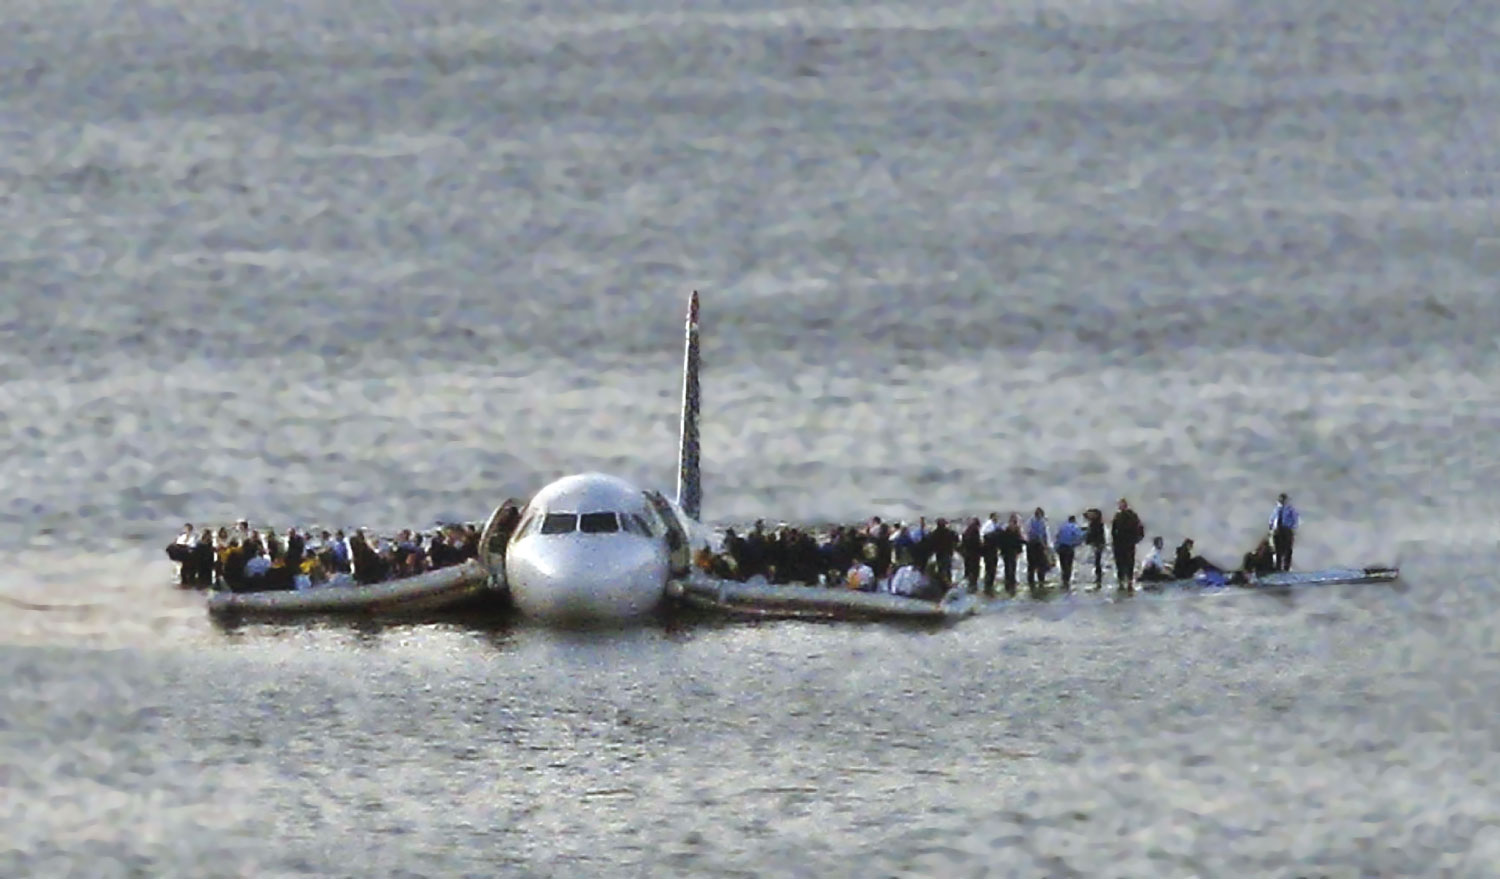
1125,530
1284,522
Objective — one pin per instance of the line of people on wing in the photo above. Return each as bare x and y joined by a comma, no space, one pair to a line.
243,559
914,560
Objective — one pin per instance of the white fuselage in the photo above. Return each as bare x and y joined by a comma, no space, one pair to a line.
594,547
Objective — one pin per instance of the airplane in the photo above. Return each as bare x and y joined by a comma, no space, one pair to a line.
595,547
592,548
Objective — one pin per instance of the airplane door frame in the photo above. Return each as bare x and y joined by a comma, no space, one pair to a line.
493,560
679,548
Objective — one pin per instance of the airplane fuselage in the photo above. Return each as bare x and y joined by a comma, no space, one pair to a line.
595,547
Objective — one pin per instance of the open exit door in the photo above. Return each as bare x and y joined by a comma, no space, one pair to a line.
679,553
493,539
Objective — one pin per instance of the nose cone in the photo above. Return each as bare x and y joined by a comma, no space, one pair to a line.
583,577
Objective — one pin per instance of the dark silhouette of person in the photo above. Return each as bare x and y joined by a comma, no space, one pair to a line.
1125,531
971,548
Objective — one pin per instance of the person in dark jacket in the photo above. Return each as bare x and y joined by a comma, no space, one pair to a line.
989,547
970,547
1037,538
880,538
921,549
296,547
755,551
1125,531
203,559
1095,540
369,566
1261,560
1011,541
943,542
1186,565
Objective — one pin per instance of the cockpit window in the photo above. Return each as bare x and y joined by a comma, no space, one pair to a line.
559,523
598,523
635,524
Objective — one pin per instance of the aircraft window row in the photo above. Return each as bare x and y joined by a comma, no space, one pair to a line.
587,523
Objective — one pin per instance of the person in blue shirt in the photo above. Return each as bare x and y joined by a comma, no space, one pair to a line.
1069,538
1284,522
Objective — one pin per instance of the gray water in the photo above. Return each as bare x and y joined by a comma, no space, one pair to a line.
323,263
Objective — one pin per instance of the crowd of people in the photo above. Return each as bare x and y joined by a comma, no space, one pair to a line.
913,559
244,559
901,558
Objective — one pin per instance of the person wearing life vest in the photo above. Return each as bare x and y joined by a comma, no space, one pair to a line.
1283,527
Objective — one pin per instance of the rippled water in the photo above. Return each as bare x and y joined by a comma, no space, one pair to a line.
315,263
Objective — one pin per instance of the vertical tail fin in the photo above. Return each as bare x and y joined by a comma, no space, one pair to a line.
689,489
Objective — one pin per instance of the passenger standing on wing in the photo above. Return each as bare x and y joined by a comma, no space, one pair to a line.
755,550
902,546
1036,549
943,541
1284,522
1096,540
296,546
881,540
341,557
1069,536
989,547
1125,531
205,557
921,546
1012,541
970,547
734,547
